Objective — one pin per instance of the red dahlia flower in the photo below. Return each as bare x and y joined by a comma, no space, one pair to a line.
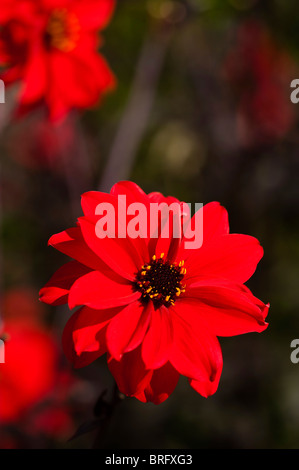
154,306
51,47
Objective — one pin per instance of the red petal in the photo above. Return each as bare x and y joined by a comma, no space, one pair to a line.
215,224
98,291
83,338
127,329
164,237
93,75
227,310
58,97
130,373
196,355
206,388
91,199
34,80
137,247
94,14
117,253
71,243
159,197
86,72
6,10
132,191
170,233
157,343
134,194
215,221
233,257
56,291
161,386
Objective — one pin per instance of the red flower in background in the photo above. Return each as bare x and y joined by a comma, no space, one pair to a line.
33,385
153,305
51,46
46,145
29,372
260,73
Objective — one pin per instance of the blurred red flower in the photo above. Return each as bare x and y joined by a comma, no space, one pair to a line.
30,369
19,304
260,73
33,384
51,46
46,145
153,305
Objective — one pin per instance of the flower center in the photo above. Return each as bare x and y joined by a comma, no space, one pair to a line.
63,30
160,281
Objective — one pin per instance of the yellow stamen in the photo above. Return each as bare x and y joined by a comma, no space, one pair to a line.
63,30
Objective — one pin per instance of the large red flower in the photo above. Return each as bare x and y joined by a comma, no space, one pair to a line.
51,47
155,306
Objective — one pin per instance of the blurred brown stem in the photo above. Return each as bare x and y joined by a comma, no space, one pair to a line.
76,164
137,113
106,411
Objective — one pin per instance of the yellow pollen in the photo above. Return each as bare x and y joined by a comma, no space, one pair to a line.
160,281
63,30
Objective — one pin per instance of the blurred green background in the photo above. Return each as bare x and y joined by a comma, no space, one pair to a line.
201,111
